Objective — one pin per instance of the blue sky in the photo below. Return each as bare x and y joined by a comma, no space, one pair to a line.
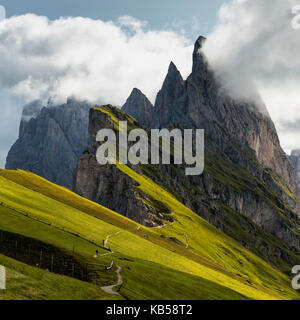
195,16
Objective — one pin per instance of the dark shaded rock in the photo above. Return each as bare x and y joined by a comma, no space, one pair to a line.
139,107
295,160
172,89
51,140
107,185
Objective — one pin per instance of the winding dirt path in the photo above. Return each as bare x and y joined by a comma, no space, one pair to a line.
107,238
105,243
109,289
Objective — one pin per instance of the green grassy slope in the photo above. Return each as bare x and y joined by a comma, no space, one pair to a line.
52,214
141,278
29,283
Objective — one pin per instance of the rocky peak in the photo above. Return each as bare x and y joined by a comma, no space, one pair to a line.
50,140
139,107
199,103
173,74
172,89
199,60
227,120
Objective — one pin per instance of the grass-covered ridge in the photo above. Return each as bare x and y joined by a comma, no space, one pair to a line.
60,217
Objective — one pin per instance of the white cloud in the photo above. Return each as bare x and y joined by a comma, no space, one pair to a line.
254,49
132,24
89,59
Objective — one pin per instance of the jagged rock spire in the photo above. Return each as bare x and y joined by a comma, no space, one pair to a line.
172,88
199,60
139,107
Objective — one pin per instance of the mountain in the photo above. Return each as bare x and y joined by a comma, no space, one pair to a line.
247,190
199,103
50,140
139,107
231,233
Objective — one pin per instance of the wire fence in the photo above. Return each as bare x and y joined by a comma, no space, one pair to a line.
44,256
48,223
41,255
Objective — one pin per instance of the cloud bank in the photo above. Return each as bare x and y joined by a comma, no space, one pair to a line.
255,51
88,59
80,57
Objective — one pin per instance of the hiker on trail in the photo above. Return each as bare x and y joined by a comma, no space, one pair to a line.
103,243
97,253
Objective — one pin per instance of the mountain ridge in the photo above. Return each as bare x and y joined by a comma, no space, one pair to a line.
50,140
138,106
202,105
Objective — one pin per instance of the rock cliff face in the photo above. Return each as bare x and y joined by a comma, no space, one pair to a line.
199,103
51,140
295,160
248,187
139,107
105,184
